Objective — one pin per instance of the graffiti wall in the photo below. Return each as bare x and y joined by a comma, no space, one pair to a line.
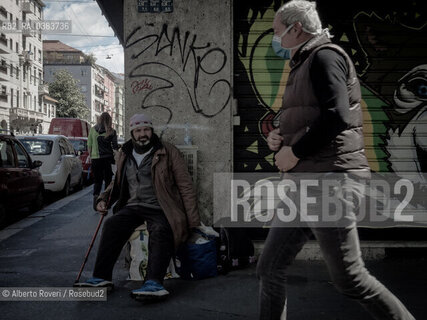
388,44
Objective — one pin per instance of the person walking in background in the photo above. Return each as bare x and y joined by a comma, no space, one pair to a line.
320,131
102,144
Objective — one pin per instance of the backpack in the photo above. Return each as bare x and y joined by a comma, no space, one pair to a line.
235,249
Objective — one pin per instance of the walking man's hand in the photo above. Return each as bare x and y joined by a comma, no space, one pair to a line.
101,207
285,159
274,140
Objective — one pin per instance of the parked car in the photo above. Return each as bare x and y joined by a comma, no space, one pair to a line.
80,146
69,127
61,169
21,184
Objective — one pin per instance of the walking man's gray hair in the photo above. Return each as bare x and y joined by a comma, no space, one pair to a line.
301,11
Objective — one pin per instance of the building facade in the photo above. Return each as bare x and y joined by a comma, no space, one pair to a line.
59,56
120,105
21,69
96,82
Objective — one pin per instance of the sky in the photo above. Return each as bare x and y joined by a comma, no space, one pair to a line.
90,31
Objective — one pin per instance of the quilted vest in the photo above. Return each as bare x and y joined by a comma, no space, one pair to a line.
300,108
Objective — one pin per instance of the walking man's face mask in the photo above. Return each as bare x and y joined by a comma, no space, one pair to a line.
276,43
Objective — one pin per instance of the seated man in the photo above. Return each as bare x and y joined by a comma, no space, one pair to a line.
152,185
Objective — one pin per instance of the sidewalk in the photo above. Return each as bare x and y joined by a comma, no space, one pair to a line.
47,249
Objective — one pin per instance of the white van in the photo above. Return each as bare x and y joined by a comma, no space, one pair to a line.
61,169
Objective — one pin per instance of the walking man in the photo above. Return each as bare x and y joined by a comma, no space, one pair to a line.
152,185
320,131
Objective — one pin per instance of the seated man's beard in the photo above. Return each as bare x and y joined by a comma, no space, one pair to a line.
143,143
141,146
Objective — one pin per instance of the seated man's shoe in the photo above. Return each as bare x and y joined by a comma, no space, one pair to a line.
95,283
150,290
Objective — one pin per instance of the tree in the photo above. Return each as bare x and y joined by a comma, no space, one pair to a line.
71,102
90,59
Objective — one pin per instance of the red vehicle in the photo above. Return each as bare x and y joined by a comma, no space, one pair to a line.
21,184
69,127
80,145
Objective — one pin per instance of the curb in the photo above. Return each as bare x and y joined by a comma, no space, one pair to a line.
371,250
39,215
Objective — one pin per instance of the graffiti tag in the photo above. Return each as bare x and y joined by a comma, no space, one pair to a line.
205,60
141,85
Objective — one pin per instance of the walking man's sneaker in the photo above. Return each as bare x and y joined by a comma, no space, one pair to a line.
96,283
150,290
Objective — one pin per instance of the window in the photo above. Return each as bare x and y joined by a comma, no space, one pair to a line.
79,145
11,70
63,147
17,72
11,97
23,161
6,155
3,66
38,146
17,47
11,44
70,148
17,98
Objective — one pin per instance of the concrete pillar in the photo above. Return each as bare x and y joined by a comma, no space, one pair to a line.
178,69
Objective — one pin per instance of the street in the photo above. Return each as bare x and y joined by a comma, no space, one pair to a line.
47,248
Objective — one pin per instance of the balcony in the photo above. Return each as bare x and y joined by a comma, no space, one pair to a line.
44,89
25,58
26,7
28,33
99,79
21,113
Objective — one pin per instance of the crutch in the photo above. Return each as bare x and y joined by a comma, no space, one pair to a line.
94,237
